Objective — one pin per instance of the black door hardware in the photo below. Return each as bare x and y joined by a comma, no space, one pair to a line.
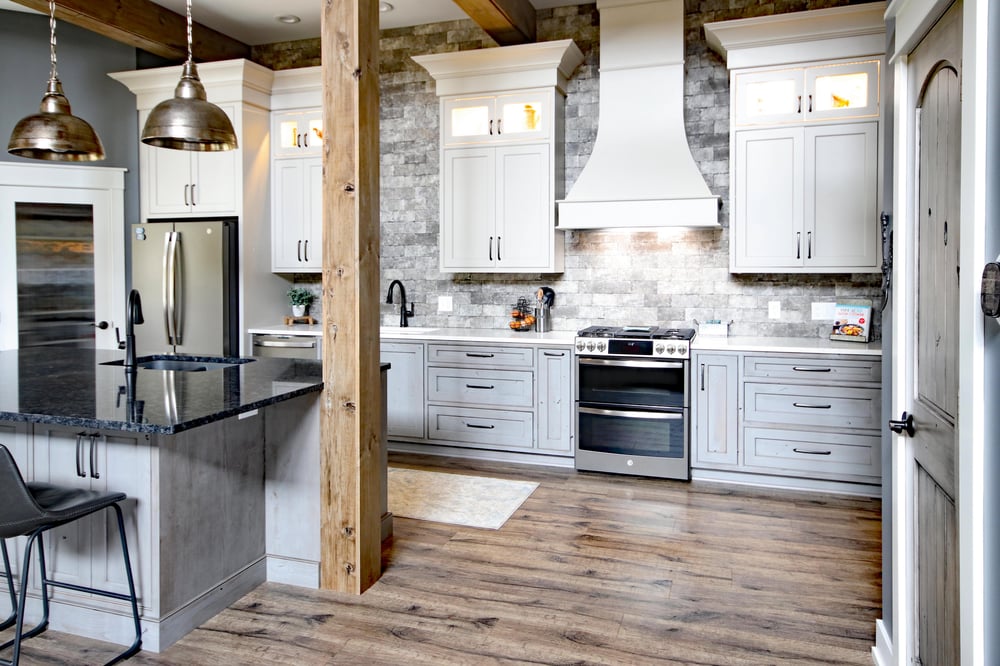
905,424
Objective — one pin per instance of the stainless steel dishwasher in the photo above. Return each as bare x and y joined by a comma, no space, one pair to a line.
288,346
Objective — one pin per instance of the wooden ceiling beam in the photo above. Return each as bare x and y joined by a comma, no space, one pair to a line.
507,21
145,25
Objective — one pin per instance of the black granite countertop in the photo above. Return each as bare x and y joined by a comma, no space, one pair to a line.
73,387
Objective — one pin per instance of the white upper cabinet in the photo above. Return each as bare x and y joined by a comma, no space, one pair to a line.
804,134
831,91
501,149
494,118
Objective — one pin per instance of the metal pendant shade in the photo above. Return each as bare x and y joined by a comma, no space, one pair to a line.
54,133
188,121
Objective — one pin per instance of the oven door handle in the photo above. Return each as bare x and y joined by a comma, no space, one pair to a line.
632,364
662,416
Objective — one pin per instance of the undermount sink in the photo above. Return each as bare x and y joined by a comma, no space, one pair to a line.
185,363
409,330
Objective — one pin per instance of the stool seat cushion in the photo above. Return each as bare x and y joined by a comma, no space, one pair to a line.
53,505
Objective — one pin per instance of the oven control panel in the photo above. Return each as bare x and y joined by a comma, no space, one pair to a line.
634,348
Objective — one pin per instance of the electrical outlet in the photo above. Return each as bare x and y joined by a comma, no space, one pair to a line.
445,304
774,310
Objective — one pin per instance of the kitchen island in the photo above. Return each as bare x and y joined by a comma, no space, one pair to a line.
187,447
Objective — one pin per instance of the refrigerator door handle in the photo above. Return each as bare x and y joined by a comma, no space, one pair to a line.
171,284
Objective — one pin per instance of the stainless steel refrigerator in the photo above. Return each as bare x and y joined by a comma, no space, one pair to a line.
187,274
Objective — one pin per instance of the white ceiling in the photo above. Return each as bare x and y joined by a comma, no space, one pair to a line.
255,22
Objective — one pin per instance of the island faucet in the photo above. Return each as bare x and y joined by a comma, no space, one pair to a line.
133,316
403,312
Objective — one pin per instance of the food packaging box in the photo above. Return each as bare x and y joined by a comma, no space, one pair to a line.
852,320
714,327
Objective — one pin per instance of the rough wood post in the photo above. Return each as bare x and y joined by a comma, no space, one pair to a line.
349,428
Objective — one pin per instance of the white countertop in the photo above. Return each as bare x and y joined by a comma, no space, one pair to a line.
506,336
424,334
785,345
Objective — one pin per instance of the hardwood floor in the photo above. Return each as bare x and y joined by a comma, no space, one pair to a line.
595,569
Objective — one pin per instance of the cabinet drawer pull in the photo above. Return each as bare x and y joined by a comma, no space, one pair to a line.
477,386
481,427
471,355
93,457
799,368
806,405
813,453
555,354
79,457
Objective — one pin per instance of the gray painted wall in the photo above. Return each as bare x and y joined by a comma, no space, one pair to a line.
84,60
613,277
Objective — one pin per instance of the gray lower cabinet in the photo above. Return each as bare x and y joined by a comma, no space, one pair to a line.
814,417
405,393
481,396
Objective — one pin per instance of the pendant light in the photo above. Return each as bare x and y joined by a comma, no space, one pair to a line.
54,133
189,121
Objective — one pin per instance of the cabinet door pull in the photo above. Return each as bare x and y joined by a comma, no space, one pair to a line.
471,355
799,368
186,201
193,201
491,248
810,103
813,453
798,244
491,127
299,251
479,386
806,405
702,376
298,140
809,245
498,248
556,354
305,140
800,105
93,457
499,126
79,456
305,249
481,427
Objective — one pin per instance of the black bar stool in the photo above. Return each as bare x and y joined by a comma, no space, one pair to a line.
30,509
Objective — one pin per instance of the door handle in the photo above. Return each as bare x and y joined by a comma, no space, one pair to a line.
299,251
902,425
94,474
193,202
186,201
491,248
79,456
798,244
498,248
305,249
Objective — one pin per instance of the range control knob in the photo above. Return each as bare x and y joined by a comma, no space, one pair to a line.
670,349
590,346
601,346
682,348
658,349
580,346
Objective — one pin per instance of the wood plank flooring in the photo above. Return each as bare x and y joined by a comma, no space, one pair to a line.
592,569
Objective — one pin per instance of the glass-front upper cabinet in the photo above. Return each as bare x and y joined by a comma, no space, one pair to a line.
495,118
297,132
803,94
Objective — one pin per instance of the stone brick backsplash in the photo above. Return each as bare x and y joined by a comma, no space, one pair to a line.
668,277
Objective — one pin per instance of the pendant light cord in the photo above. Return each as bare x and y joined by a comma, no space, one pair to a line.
190,56
52,39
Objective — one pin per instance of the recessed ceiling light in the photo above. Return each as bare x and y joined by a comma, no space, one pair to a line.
385,7
288,18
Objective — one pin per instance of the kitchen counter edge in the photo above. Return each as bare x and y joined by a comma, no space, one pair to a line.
785,345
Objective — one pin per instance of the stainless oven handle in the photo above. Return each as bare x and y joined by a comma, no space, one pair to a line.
632,364
663,416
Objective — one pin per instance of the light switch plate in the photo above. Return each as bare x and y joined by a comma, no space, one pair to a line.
445,304
824,311
774,310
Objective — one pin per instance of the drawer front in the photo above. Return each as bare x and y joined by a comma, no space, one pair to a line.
481,427
813,369
493,357
801,405
511,388
797,453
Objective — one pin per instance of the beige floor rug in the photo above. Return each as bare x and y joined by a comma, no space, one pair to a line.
474,501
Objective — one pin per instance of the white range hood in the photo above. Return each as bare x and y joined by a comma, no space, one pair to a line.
641,172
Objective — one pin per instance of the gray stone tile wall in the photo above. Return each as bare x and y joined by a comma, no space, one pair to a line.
670,277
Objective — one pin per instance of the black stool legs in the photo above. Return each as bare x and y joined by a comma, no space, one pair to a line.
9,575
20,634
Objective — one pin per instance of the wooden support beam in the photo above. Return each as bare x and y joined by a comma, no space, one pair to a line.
145,25
507,21
352,403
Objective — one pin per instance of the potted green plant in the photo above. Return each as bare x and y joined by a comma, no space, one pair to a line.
300,299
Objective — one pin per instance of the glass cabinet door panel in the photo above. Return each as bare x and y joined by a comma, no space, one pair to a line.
769,97
297,132
523,116
847,90
288,134
468,120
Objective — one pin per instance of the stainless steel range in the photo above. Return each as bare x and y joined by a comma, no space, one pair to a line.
633,401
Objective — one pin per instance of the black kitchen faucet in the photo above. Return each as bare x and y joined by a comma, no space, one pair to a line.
403,312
